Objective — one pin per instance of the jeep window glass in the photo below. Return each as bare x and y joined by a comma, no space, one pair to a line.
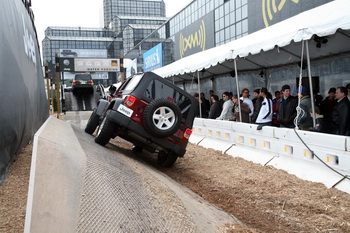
82,77
160,90
130,86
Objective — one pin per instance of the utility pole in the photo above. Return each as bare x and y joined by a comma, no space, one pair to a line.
58,99
122,67
47,85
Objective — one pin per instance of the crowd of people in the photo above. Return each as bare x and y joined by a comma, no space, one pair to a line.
331,114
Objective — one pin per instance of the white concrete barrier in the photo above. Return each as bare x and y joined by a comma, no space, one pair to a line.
218,135
281,148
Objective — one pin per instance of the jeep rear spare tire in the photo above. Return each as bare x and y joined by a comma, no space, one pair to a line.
162,118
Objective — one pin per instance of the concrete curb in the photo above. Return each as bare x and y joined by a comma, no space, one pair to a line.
53,202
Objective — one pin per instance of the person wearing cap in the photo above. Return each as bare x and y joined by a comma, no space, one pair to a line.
287,108
341,113
304,119
328,103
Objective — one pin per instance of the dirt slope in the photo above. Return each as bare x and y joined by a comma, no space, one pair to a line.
264,198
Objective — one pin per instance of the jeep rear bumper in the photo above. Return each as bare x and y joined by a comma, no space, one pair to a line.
127,123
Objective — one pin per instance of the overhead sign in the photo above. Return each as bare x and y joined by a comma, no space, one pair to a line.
153,58
96,65
66,64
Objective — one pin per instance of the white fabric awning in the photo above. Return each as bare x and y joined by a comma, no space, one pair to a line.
273,46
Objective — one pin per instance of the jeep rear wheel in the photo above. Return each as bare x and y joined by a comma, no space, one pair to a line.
105,131
162,118
166,159
92,123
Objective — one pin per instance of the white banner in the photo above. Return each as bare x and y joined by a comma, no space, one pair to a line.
96,65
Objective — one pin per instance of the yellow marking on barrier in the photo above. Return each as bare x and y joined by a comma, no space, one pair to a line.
199,130
305,153
251,141
209,132
217,134
328,159
285,149
227,135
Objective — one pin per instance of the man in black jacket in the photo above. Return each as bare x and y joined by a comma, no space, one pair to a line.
287,108
215,108
341,113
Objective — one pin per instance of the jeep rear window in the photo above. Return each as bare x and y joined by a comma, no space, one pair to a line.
82,77
159,90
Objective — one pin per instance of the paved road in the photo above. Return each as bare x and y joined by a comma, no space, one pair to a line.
81,186
82,101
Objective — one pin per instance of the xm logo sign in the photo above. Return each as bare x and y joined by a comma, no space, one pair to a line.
269,8
29,47
195,40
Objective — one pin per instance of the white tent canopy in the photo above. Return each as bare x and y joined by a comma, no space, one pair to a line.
278,42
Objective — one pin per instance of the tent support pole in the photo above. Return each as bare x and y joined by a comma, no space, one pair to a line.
199,92
237,85
310,84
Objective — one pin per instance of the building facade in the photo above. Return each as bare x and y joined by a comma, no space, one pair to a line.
204,24
127,22
113,8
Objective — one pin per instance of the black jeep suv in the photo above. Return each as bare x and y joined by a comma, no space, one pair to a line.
150,112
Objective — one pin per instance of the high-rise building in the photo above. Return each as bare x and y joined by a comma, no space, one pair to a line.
113,8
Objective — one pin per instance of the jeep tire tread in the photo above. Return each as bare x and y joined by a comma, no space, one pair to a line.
105,131
92,123
166,159
162,118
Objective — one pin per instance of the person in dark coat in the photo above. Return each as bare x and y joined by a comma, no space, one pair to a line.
274,108
328,103
203,107
215,108
322,124
257,101
206,102
287,108
341,113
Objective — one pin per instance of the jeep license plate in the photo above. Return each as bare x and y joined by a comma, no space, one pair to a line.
125,110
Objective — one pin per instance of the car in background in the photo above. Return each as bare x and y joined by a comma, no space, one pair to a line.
82,82
150,112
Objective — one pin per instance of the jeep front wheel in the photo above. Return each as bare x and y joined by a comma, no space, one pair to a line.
105,131
162,118
92,123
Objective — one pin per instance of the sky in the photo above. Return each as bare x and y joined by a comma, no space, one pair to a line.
80,13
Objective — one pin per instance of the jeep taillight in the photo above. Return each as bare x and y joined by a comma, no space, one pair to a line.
187,133
91,82
74,82
130,100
